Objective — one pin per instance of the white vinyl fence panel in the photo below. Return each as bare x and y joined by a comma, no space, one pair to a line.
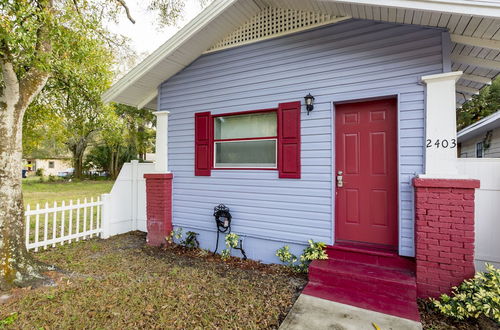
62,223
487,207
125,205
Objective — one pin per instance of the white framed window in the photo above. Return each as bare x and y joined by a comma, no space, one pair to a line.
51,164
480,150
246,140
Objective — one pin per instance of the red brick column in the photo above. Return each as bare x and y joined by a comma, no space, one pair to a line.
158,207
444,234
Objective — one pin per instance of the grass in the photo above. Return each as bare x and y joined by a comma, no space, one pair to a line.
35,191
121,283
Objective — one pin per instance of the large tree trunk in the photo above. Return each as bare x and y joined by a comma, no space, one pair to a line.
114,160
17,267
78,150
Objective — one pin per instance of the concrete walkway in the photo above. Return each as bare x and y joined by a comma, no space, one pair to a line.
310,312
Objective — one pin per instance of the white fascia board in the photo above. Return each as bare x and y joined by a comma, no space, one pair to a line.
461,7
475,42
190,29
469,130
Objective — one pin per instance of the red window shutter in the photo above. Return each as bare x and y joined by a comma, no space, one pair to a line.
202,144
289,140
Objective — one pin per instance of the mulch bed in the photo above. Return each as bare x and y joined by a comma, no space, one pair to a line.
121,283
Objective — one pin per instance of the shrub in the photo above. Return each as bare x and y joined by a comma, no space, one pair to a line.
191,242
475,297
286,256
39,172
176,233
315,251
232,241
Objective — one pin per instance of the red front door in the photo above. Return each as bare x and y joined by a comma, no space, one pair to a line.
366,153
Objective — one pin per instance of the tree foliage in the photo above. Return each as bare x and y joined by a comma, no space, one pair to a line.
42,40
127,133
482,105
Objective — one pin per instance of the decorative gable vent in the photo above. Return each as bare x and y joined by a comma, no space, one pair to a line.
271,23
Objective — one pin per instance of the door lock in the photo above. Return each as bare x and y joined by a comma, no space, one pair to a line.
340,179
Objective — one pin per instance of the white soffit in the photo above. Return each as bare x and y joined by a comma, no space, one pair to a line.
473,24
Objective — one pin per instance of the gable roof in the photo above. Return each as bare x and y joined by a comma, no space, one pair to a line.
474,26
480,127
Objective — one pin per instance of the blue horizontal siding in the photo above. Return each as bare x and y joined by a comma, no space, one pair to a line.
354,59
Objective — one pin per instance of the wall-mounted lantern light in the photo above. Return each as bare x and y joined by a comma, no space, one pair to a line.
309,99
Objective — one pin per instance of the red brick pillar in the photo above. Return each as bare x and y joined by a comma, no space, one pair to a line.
158,207
444,234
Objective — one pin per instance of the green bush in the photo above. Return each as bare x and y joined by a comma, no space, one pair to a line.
39,172
475,297
232,241
315,251
286,256
191,242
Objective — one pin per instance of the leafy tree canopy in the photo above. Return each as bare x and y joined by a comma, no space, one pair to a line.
482,105
60,40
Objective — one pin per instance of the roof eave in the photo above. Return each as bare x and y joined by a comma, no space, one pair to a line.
182,36
479,127
462,7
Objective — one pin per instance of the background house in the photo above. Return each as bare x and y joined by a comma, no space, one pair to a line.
481,139
50,166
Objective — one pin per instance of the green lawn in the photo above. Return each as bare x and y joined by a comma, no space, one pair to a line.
40,192
62,190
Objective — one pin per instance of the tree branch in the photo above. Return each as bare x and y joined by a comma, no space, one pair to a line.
77,8
11,89
35,79
127,10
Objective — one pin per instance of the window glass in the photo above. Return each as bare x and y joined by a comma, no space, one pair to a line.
51,164
479,150
250,153
245,126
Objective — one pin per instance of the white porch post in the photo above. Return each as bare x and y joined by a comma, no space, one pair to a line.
161,165
441,126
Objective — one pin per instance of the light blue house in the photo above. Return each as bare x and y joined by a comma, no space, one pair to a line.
233,83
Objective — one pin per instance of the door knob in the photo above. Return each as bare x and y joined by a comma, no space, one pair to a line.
340,179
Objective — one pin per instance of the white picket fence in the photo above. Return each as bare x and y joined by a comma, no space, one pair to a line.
62,223
120,211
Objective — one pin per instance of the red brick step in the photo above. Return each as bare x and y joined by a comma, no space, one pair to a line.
386,305
367,277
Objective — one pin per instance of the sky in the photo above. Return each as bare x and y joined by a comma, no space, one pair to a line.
144,34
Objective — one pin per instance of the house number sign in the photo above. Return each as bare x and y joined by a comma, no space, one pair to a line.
445,143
